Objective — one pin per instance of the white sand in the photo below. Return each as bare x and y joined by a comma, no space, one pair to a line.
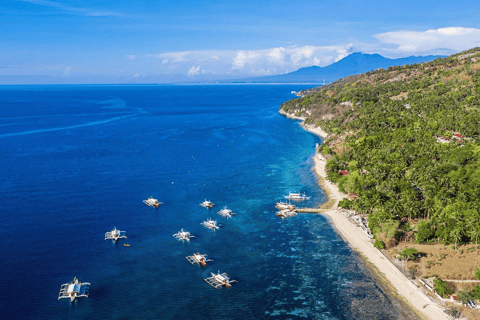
360,242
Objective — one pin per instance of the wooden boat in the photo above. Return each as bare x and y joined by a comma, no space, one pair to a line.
210,224
225,212
74,289
115,234
296,196
218,280
183,236
198,258
284,205
286,213
126,245
151,202
207,204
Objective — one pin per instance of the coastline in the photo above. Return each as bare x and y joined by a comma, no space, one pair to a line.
358,241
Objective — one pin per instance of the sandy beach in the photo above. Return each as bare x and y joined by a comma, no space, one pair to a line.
361,243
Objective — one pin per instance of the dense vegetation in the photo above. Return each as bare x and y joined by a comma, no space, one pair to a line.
383,128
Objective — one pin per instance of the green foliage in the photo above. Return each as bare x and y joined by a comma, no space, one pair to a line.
409,254
379,244
477,274
424,231
396,164
476,292
464,296
443,288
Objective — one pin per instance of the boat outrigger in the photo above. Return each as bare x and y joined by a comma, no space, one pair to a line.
296,196
151,202
207,204
74,289
210,224
225,212
198,258
183,235
115,234
284,205
218,280
286,213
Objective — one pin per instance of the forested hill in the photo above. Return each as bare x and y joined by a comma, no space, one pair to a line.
405,143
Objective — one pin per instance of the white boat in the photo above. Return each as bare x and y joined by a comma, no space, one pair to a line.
296,196
210,224
151,202
183,235
115,234
225,212
286,213
74,289
207,204
284,205
198,258
218,280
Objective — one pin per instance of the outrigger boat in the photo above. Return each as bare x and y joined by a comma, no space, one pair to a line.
152,202
218,280
207,204
284,205
198,258
183,235
227,213
115,234
210,224
74,289
286,213
296,196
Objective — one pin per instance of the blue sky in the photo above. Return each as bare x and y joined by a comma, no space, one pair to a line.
162,41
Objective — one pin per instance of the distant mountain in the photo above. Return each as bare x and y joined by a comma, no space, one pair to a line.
353,64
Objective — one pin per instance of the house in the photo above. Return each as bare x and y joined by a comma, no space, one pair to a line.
343,173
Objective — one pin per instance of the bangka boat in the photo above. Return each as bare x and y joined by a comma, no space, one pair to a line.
207,204
74,289
210,224
284,205
126,245
151,202
198,258
218,280
115,234
183,235
296,196
286,213
225,212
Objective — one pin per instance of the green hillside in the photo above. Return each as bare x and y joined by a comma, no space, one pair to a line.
409,138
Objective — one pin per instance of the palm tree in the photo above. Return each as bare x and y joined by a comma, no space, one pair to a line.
456,235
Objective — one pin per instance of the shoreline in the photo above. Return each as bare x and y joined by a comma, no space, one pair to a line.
359,242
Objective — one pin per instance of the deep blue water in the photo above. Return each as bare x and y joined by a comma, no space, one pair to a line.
78,160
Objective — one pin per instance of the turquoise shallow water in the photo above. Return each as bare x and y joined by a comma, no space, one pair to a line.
78,160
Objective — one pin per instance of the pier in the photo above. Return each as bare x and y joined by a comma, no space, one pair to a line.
309,210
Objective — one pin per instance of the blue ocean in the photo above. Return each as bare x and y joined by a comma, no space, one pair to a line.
77,161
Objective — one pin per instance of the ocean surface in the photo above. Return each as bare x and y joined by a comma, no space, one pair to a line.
75,161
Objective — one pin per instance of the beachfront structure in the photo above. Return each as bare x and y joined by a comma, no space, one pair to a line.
286,213
284,205
210,224
151,202
218,280
115,234
207,204
296,196
183,235
198,258
74,289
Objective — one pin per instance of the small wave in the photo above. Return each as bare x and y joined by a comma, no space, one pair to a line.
65,128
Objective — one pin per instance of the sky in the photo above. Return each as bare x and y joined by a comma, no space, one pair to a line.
124,41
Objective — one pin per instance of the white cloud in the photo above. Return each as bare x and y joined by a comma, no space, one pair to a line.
164,61
433,41
67,71
193,71
131,57
74,10
136,75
